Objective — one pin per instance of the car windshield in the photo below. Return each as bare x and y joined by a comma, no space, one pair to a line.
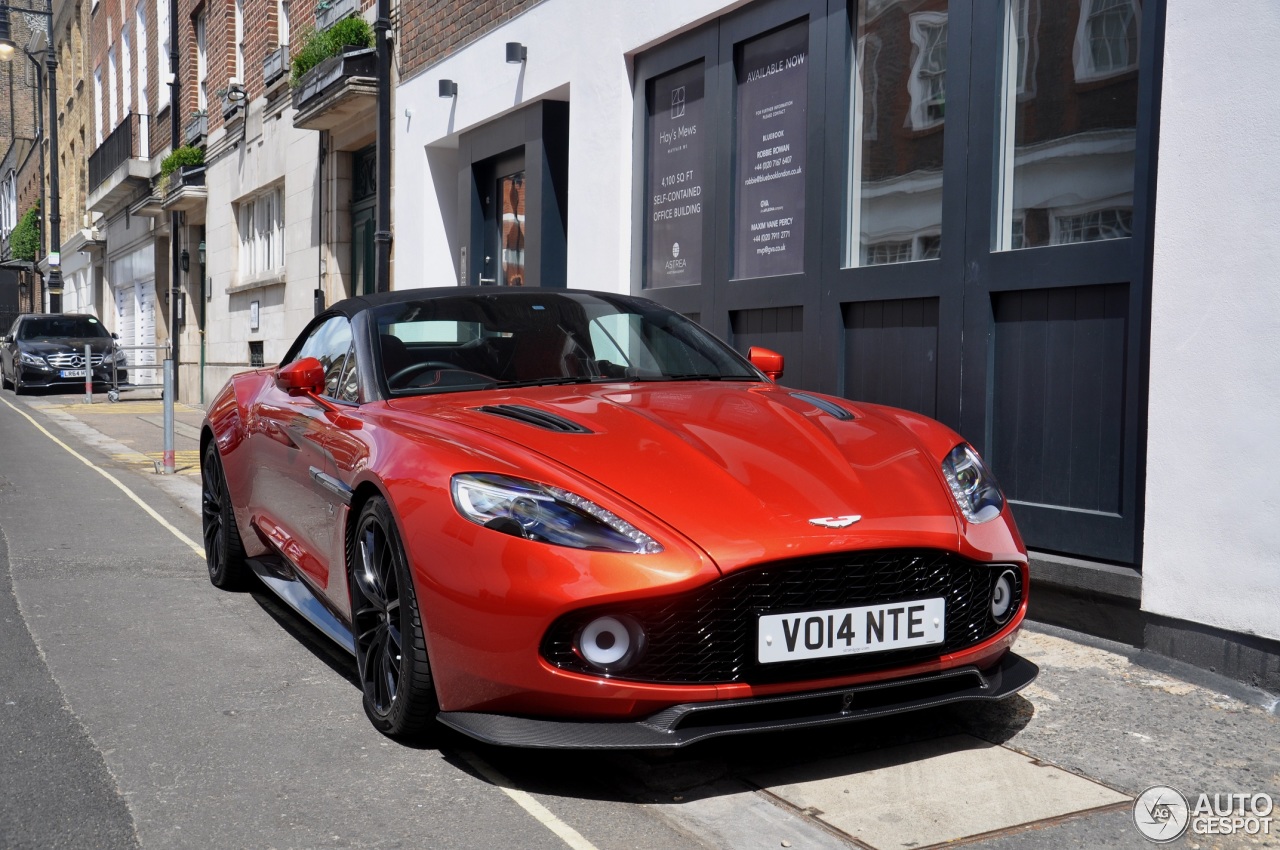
61,327
514,339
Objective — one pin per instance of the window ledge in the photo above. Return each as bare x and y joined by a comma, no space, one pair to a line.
260,281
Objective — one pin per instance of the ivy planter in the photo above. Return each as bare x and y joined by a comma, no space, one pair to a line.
336,90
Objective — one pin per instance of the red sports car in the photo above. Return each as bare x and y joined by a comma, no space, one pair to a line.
564,518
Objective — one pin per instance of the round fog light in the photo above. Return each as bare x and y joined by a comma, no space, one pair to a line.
610,643
1002,601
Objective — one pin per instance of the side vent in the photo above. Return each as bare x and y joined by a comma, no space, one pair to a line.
537,418
825,406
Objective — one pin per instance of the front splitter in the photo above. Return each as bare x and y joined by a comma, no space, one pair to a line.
681,725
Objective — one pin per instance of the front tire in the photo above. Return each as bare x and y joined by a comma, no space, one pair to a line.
223,549
18,388
391,654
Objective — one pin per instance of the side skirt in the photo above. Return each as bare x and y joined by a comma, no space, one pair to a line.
280,580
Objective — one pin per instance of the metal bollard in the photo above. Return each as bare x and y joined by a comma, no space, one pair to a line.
88,375
168,417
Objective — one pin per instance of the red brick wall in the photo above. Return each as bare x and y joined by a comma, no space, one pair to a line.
432,29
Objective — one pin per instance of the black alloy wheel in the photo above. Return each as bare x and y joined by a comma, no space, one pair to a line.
223,549
5,383
391,655
18,388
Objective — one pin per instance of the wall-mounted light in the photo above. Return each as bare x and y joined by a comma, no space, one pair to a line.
200,250
7,47
448,88
516,52
186,260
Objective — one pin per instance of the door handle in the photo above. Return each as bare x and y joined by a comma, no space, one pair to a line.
488,280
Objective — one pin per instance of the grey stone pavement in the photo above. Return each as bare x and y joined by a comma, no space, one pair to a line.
1060,765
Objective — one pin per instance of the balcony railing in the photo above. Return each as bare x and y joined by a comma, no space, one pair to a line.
131,140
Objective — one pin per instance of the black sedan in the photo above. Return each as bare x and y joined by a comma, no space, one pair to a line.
48,351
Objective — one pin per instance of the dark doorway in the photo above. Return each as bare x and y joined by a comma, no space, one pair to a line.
364,196
513,192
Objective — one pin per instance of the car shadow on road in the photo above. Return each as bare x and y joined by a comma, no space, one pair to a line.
306,634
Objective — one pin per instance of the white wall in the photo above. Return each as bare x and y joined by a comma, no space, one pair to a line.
279,152
1213,459
578,50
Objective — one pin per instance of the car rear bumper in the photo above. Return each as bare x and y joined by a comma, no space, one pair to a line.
684,724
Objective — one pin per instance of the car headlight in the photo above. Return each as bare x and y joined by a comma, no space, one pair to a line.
117,356
546,514
32,359
972,484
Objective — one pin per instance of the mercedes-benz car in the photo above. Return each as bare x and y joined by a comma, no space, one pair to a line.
48,350
560,518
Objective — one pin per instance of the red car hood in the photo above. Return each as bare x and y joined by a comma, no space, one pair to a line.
743,470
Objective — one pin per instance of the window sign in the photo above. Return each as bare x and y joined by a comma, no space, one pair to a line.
675,178
772,103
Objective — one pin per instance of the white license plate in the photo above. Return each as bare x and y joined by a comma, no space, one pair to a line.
74,373
851,631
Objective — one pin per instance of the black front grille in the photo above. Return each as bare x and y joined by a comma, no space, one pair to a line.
709,634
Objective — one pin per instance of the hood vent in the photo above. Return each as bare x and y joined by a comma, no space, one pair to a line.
537,418
825,406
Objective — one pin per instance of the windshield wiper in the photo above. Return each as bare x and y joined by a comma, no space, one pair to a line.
552,382
697,376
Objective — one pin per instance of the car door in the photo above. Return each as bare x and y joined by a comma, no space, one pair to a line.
296,508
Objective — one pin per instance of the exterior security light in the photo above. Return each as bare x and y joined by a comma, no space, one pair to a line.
516,52
7,47
448,88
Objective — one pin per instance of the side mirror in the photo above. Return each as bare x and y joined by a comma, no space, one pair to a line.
115,335
8,339
769,362
301,377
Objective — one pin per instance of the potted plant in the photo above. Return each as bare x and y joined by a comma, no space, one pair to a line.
188,162
347,37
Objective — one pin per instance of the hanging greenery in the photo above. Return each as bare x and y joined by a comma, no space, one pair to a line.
319,46
24,241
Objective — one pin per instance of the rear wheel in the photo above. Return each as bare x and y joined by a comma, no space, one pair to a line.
391,654
223,550
5,383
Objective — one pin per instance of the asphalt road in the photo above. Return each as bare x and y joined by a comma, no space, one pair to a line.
139,706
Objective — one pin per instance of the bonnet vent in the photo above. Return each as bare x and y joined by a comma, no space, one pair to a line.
825,406
537,418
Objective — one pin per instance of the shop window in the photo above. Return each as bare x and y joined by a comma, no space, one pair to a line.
1067,143
895,179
